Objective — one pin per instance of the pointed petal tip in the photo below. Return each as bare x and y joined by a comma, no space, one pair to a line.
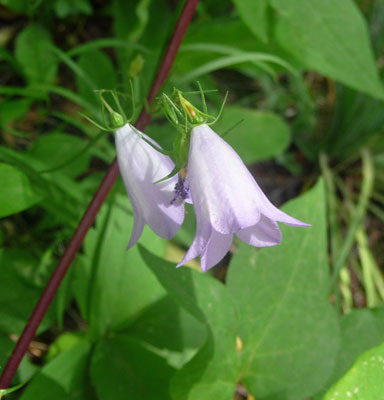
292,221
299,224
129,246
205,268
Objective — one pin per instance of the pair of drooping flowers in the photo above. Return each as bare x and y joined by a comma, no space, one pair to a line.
226,198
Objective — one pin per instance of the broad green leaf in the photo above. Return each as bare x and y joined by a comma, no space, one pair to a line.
56,149
64,198
212,372
360,331
165,325
66,8
11,110
63,378
102,77
287,326
16,5
18,291
17,191
259,136
6,346
112,285
364,381
32,52
254,15
330,37
122,368
63,343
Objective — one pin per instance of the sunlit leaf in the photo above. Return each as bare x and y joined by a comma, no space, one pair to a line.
287,325
332,38
364,380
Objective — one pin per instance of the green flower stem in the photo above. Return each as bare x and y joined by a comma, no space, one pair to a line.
332,206
365,194
367,265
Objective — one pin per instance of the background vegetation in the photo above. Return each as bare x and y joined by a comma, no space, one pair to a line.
281,323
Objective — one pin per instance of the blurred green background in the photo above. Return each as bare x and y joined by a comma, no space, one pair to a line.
305,112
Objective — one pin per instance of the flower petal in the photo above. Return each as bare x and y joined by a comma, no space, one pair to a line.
200,241
220,182
274,213
137,230
140,166
265,233
217,247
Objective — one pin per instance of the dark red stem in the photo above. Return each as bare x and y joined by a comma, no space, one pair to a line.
94,207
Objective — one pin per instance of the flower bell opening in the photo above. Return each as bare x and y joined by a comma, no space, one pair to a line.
182,192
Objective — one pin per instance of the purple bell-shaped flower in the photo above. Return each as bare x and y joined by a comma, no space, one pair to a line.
141,165
227,201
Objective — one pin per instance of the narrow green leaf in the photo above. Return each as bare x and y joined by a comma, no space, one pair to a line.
261,60
98,44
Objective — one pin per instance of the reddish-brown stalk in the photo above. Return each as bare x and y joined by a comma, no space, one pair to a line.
93,208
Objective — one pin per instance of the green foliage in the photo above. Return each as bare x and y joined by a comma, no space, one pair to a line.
368,326
212,372
63,377
364,380
305,84
122,368
65,8
281,347
331,38
18,193
19,274
276,344
101,77
33,53
16,5
254,15
56,149
105,284
259,135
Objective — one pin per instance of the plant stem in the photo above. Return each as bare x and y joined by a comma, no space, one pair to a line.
365,194
93,208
